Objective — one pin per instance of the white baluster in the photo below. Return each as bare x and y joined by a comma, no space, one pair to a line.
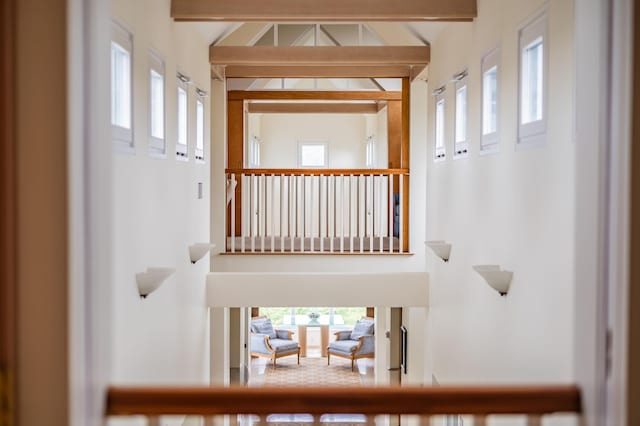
233,213
401,213
312,211
342,191
282,231
372,212
253,212
273,213
263,211
390,230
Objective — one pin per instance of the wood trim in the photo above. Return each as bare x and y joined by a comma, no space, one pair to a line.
235,155
317,172
316,95
371,312
326,10
633,321
404,157
370,401
319,71
8,217
313,56
312,108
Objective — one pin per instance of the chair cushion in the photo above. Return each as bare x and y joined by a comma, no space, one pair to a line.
281,345
362,328
263,326
343,346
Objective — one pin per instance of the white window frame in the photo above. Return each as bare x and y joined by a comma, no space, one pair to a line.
440,150
182,149
157,145
489,142
533,133
254,152
200,125
461,144
302,143
370,152
122,136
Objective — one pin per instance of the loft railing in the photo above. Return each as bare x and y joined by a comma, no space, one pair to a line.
257,404
317,211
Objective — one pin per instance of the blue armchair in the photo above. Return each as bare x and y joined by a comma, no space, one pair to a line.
269,343
354,344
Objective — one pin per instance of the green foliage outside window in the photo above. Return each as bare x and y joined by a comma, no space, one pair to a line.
342,316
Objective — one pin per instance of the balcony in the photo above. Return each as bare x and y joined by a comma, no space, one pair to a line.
317,211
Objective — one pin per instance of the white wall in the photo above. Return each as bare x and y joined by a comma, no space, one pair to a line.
514,208
280,133
157,215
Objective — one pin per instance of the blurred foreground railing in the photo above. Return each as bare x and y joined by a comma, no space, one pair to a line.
477,401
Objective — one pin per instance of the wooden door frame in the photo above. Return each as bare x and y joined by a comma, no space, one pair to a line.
8,202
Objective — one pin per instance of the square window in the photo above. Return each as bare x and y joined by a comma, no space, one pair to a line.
121,87
313,154
532,82
489,139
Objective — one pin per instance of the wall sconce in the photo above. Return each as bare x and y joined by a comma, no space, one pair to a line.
231,189
442,249
149,281
198,250
183,78
498,280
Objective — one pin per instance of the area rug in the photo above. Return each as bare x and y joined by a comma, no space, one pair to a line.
311,372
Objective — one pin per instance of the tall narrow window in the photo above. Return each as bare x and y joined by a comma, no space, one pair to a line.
440,150
533,77
121,87
200,124
182,145
460,137
370,160
254,152
489,140
156,104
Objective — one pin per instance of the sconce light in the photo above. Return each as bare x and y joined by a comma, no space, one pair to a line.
439,91
183,78
201,93
231,189
498,280
459,76
198,250
442,249
149,281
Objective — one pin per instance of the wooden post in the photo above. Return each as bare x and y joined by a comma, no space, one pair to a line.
235,156
404,159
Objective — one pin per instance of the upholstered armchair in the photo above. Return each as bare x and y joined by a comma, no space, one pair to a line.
269,343
354,344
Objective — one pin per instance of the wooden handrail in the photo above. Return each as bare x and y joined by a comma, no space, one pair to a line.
317,172
473,400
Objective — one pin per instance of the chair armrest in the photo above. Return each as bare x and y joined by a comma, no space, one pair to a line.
260,343
366,345
285,334
343,335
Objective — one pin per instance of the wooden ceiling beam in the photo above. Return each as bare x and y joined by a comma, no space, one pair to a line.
314,95
348,56
324,11
312,108
328,71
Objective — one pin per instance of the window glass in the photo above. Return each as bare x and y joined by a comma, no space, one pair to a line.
532,81
461,114
199,129
157,104
120,86
182,116
312,154
490,100
440,148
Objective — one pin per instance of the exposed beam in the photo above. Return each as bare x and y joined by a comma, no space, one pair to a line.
327,71
319,55
312,108
326,10
328,95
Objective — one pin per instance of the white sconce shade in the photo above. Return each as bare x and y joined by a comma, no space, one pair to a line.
149,281
441,249
498,280
198,250
231,189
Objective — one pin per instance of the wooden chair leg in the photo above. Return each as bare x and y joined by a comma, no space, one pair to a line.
274,362
298,357
328,358
352,360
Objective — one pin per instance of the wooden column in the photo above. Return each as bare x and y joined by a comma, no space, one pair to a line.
404,159
235,156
